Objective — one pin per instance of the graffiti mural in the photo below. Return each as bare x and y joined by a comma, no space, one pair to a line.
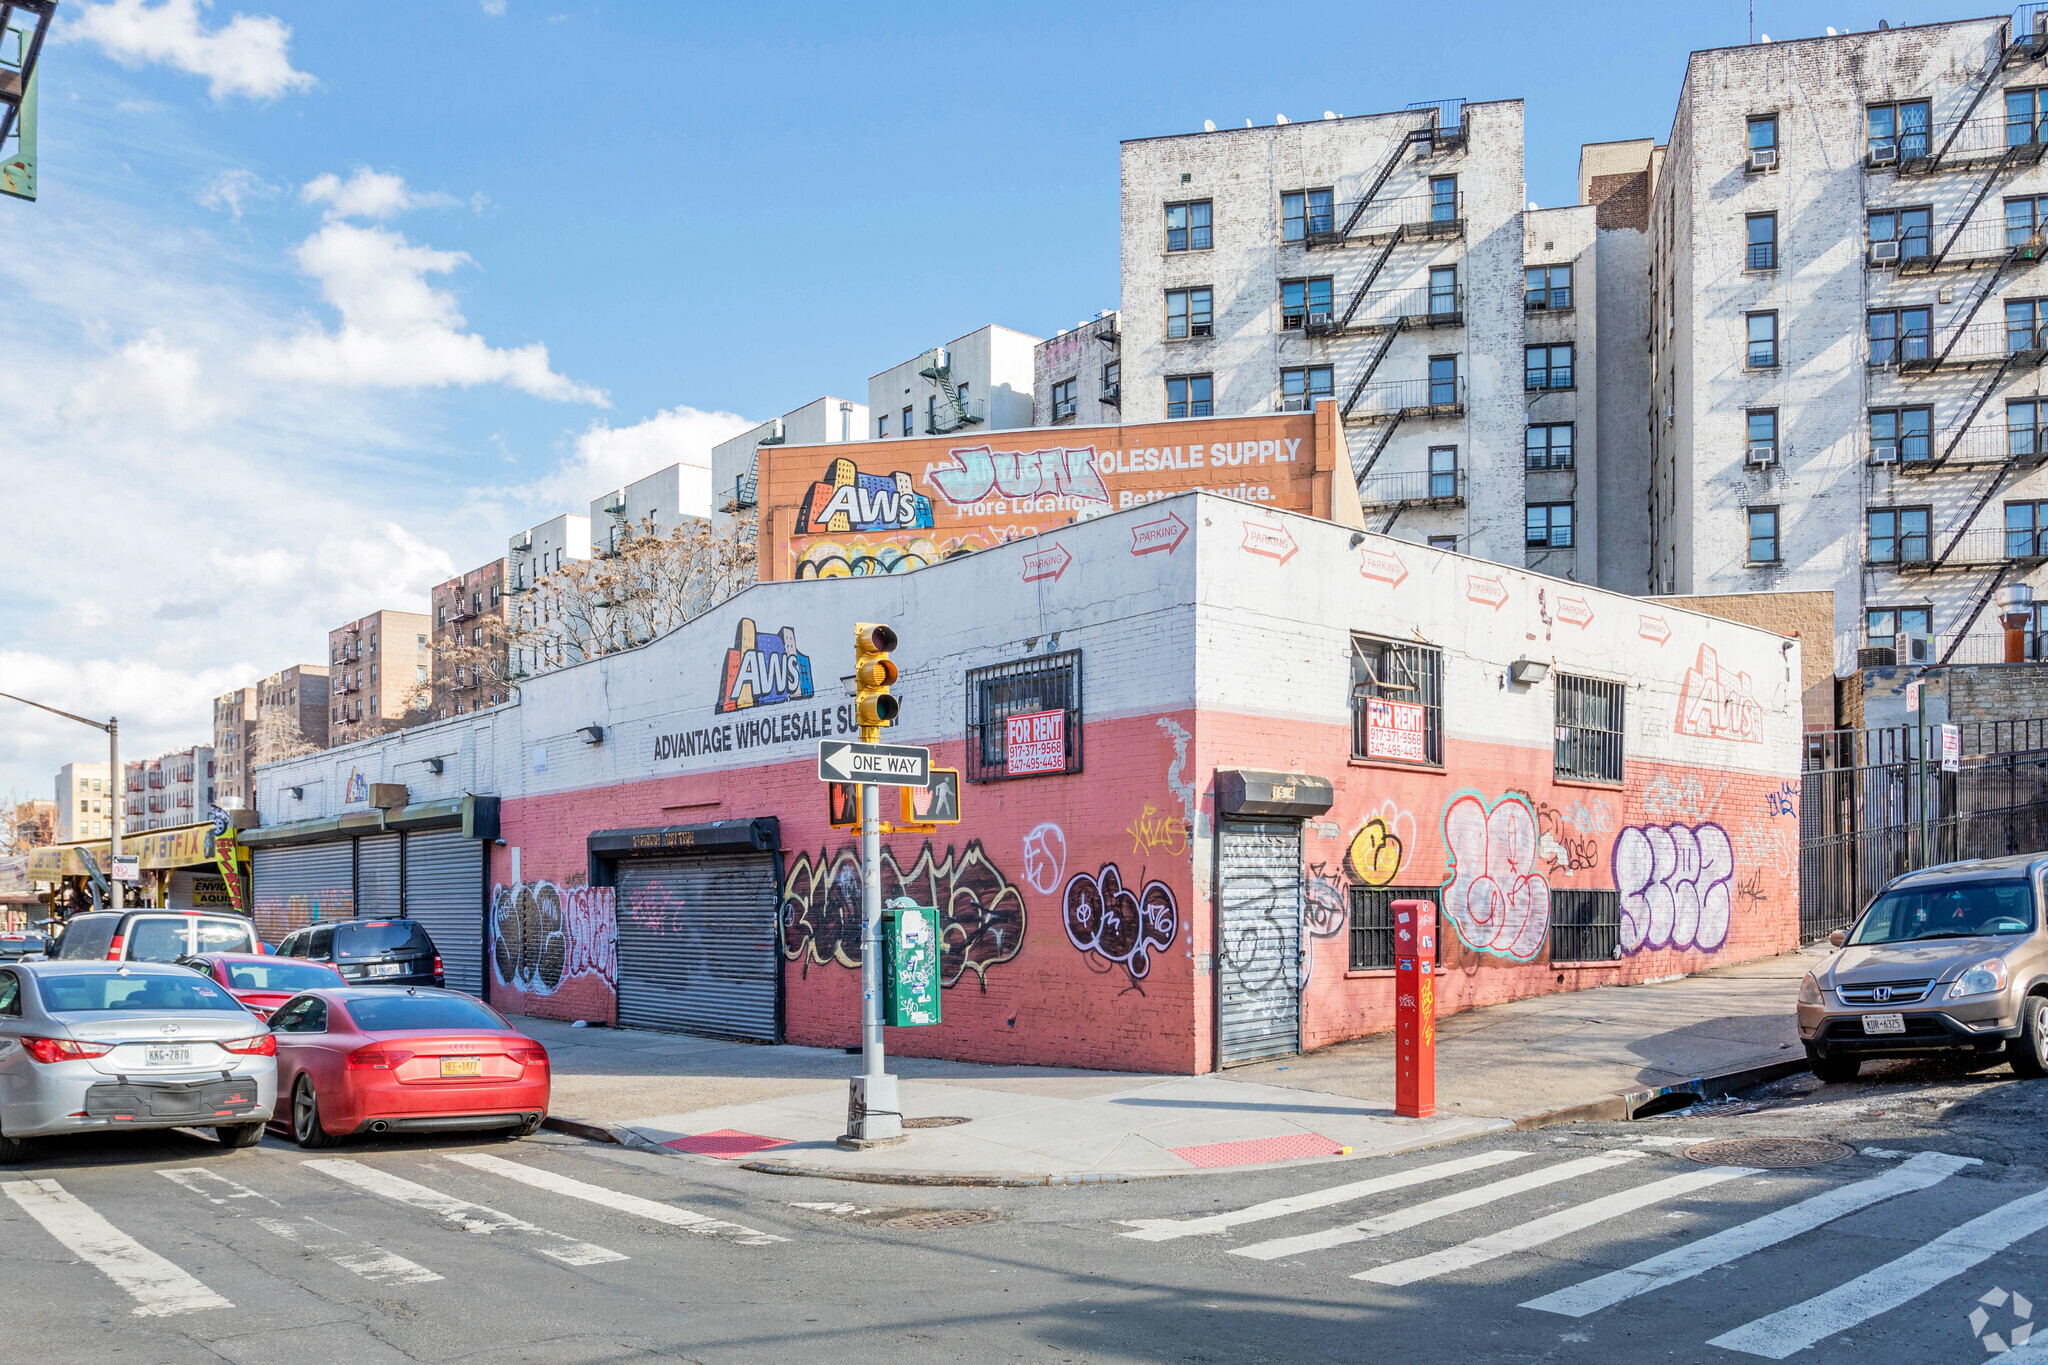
848,500
1717,704
1154,831
1107,920
979,472
855,558
543,935
1378,850
1565,835
1676,884
1045,858
981,915
1495,896
763,670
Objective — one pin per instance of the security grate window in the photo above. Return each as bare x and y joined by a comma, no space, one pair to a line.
1590,714
1372,923
1033,687
1387,669
1585,926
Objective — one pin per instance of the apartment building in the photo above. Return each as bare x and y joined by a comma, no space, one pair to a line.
735,464
86,802
978,382
1848,331
234,745
380,664
1077,375
543,619
470,650
679,495
171,789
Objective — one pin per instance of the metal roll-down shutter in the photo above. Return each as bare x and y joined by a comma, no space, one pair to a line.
697,944
298,884
444,890
1258,1003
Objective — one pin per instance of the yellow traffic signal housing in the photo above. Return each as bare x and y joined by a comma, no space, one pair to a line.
873,671
938,804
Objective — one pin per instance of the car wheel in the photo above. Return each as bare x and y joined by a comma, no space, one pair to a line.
2028,1053
1833,1070
233,1135
306,1129
12,1150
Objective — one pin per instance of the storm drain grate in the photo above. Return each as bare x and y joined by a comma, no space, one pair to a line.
936,1220
946,1121
1771,1153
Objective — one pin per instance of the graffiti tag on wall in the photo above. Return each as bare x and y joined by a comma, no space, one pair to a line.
763,670
1676,885
1783,801
981,915
543,934
1154,831
1495,896
1717,704
1106,919
1045,857
978,471
1565,835
848,500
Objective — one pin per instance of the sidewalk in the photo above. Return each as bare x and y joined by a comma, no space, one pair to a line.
1583,1055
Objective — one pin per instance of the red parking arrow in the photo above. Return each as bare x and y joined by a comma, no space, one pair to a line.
1273,542
1385,565
1164,534
1653,628
1047,563
1575,611
1489,592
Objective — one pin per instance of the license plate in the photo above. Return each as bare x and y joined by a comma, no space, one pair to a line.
1884,1023
170,1056
386,968
462,1066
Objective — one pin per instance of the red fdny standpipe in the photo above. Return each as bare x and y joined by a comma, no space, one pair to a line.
1414,1009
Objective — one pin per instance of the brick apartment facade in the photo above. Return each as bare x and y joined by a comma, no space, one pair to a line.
375,664
470,663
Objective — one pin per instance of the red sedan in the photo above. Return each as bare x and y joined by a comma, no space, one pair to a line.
391,1059
261,984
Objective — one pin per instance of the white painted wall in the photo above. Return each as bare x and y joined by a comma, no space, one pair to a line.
821,421
994,363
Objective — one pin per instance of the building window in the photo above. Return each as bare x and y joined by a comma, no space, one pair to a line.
1047,691
1063,400
421,669
1304,301
1443,290
1187,226
1188,396
1443,199
1304,212
1763,535
1898,334
2023,435
1187,313
1585,926
1763,136
1443,471
1550,525
1763,340
1407,674
1299,389
1906,229
2025,524
373,703
909,420
1112,381
1890,627
1763,435
1590,715
1547,287
1763,241
1549,446
1900,435
882,427
1372,924
1896,535
1444,543
1898,132
2024,219
2024,319
441,616
1548,367
1443,381
2023,110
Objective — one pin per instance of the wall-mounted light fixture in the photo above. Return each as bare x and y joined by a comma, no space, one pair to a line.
298,793
592,734
436,765
1529,672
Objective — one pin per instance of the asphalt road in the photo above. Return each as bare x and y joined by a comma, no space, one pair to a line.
167,1249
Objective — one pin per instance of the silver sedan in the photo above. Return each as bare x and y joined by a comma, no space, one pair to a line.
90,1046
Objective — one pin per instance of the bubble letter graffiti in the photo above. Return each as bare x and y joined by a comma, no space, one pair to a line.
1494,897
1717,704
1105,919
1675,883
981,916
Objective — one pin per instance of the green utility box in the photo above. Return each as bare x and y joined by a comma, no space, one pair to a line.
910,965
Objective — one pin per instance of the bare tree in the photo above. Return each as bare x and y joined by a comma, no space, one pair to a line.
26,824
279,737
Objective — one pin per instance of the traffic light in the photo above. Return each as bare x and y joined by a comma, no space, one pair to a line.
873,672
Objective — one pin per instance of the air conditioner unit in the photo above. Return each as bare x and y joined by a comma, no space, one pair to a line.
1884,453
1919,649
1763,454
1763,158
1884,156
1884,253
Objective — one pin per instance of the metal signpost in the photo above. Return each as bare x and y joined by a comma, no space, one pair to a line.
116,788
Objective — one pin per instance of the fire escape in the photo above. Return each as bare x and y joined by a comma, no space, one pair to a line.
950,409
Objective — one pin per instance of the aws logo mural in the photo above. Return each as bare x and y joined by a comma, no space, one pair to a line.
763,670
848,500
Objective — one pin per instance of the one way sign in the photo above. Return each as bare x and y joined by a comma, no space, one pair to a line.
881,765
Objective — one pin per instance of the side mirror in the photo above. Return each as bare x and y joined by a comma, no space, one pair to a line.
1839,937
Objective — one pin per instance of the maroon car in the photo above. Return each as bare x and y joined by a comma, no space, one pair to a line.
262,983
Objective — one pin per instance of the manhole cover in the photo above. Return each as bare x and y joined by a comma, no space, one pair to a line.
1771,1153
943,1122
934,1220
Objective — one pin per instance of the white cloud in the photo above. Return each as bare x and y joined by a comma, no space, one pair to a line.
148,380
232,188
367,194
494,8
397,330
607,457
245,56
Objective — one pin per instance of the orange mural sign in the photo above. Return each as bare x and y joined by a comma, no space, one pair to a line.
889,506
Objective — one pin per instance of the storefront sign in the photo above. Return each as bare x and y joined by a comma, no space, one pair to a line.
1035,743
763,669
1395,729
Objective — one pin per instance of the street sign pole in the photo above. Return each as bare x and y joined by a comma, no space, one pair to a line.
874,1116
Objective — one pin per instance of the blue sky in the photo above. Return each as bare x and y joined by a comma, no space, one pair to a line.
250,403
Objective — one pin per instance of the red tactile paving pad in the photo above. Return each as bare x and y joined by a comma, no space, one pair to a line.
725,1142
1287,1148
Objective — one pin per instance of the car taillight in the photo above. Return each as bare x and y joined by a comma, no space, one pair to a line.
50,1050
377,1059
114,949
529,1056
437,965
262,1045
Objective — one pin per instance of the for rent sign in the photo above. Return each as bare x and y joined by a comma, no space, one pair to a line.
1394,729
1035,743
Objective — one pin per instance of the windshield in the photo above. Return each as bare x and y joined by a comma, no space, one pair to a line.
112,991
378,938
280,976
1960,910
395,1011
158,940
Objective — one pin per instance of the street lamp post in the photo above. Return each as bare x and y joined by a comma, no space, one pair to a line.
112,725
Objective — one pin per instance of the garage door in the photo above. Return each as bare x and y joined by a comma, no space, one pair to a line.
697,945
377,874
1257,967
444,890
292,887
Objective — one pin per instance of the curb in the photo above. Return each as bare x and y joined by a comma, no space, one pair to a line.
589,1132
989,1180
1627,1105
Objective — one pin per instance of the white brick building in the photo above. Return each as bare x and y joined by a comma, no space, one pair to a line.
1077,375
532,556
818,422
981,381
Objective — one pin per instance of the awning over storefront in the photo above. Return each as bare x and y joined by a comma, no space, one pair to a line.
477,816
159,849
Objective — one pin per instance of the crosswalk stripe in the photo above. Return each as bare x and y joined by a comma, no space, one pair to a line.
472,1217
1417,1214
1167,1229
1682,1263
371,1262
158,1287
1894,1283
653,1210
1548,1229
